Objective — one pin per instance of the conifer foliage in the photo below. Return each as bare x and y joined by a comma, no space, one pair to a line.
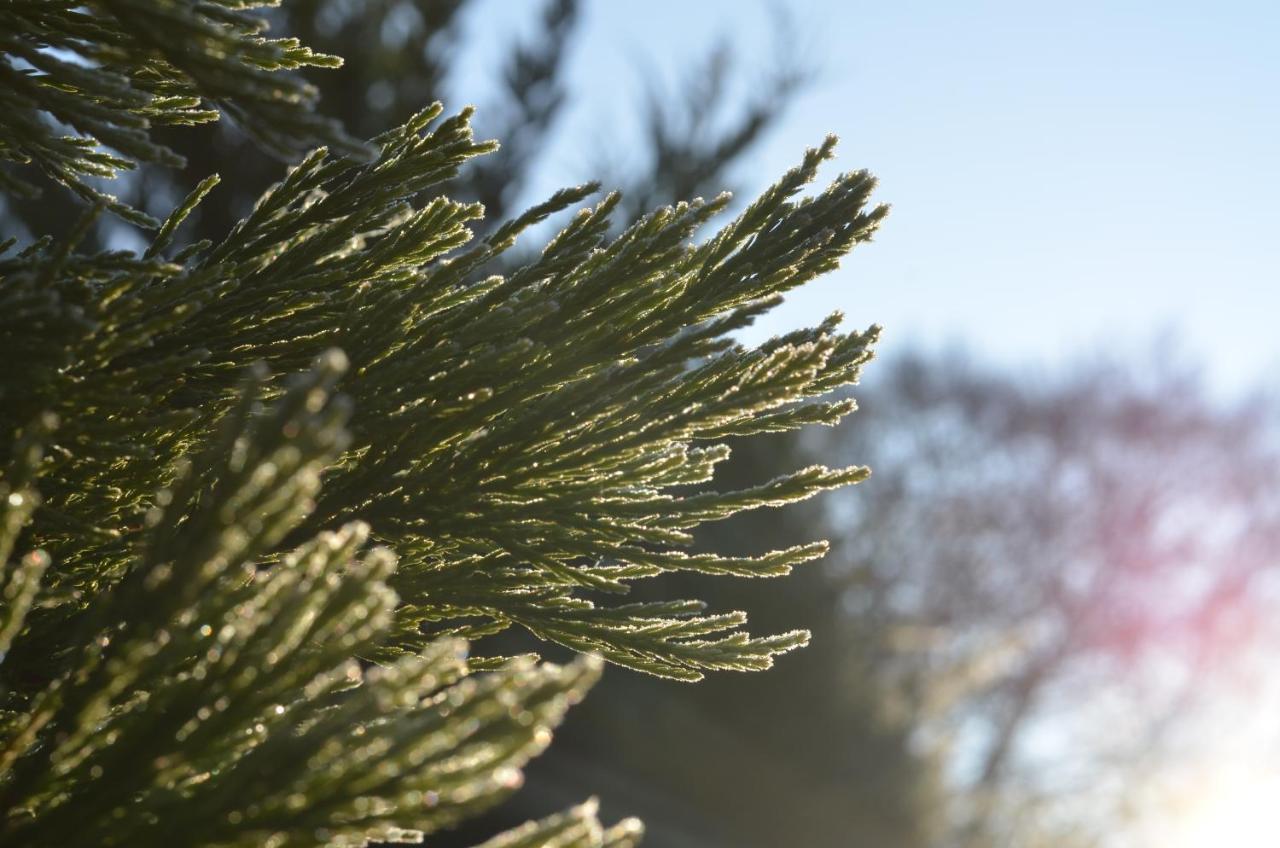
191,654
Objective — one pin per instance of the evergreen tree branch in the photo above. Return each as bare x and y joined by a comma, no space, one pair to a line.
538,418
210,692
79,80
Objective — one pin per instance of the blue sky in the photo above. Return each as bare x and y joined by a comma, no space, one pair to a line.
1064,177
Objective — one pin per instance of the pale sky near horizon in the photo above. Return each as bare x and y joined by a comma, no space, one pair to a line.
1063,177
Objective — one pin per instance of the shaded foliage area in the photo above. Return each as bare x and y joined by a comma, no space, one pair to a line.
397,58
819,753
188,650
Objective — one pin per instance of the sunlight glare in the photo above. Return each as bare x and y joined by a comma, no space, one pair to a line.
1237,810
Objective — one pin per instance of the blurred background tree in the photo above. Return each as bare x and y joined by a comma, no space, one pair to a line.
397,59
1023,603
1068,568
1029,614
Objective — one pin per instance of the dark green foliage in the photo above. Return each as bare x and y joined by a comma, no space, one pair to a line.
395,62
107,71
574,829
812,753
209,691
528,442
515,488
